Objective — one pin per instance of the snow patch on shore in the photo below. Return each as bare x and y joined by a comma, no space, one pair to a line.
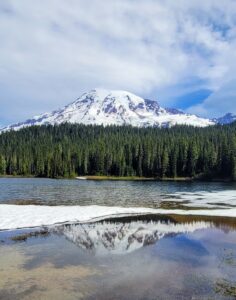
17,216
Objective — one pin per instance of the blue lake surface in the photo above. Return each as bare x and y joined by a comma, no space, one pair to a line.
111,193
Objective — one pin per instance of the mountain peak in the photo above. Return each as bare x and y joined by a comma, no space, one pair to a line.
114,107
226,119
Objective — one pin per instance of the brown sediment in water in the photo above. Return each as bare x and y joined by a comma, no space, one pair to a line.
222,204
225,288
28,202
181,205
23,237
42,282
24,202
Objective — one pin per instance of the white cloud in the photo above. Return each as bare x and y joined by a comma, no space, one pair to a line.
52,51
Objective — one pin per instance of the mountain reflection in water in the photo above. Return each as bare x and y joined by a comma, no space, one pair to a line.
120,238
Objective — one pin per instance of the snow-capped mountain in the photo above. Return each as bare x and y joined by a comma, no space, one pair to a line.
114,107
121,238
226,119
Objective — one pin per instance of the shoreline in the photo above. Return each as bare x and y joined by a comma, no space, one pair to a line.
122,178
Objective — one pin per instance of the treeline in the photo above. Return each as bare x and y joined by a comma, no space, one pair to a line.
68,150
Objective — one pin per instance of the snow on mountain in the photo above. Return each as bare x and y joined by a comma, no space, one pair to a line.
226,119
114,107
121,238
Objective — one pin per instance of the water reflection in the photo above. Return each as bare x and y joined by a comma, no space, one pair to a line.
120,238
122,259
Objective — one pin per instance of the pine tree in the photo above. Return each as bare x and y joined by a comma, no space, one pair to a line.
192,159
2,165
173,163
164,163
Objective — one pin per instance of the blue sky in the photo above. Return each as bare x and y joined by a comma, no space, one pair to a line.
181,53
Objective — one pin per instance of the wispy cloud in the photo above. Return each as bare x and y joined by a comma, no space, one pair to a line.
52,51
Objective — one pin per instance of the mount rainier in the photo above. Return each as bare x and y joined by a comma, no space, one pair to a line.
116,108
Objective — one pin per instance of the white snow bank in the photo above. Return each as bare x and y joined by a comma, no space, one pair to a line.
17,216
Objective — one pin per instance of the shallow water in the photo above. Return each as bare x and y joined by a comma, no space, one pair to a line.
110,193
121,259
143,257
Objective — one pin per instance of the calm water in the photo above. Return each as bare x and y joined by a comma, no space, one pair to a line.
85,192
155,257
121,260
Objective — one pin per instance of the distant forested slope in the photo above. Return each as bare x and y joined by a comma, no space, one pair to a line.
68,150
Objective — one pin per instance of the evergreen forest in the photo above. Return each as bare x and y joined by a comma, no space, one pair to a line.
69,150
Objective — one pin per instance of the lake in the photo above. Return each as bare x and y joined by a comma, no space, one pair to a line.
135,256
110,193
